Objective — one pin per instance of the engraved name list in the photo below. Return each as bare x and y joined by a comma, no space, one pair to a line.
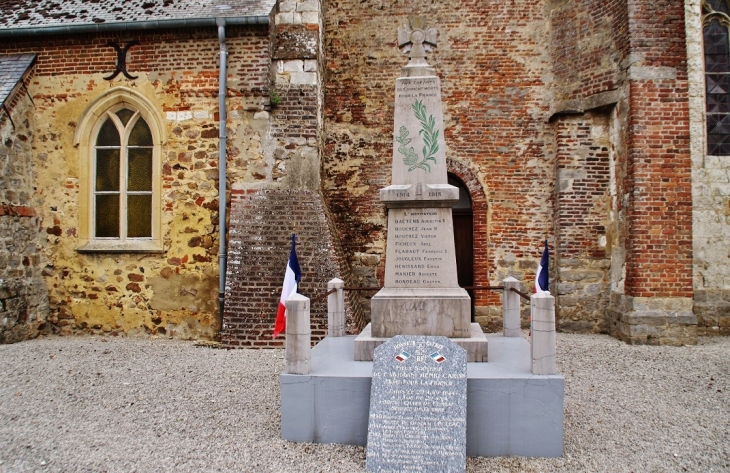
417,236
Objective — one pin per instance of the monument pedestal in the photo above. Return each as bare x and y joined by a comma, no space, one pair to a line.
510,411
475,345
421,311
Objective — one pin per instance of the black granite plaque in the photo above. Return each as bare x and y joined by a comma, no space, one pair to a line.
417,417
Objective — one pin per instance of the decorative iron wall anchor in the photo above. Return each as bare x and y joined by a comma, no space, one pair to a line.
121,59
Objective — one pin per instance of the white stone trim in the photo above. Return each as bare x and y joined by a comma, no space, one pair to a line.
86,130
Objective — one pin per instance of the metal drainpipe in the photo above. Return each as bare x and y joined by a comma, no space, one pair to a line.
222,87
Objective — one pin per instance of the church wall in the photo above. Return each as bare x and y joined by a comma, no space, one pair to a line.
260,239
494,67
710,198
583,204
589,45
627,60
589,42
287,199
659,155
173,293
655,306
540,99
23,293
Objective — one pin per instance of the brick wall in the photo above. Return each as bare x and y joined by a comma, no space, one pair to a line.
264,215
659,157
260,240
616,64
296,128
661,192
588,42
661,200
582,211
630,57
23,292
655,306
589,46
492,62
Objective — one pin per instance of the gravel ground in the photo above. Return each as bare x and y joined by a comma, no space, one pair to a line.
94,404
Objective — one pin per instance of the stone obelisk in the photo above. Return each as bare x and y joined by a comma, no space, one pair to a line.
421,294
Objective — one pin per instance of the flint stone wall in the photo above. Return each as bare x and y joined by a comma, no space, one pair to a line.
23,292
171,294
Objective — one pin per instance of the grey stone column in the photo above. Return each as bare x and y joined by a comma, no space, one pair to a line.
543,341
298,335
510,308
336,308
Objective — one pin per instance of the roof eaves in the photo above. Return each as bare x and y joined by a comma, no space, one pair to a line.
20,81
136,25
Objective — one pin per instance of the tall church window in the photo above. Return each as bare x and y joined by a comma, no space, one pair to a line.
119,139
717,76
123,162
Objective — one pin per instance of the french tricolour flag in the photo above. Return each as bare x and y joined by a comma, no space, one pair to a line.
541,277
291,281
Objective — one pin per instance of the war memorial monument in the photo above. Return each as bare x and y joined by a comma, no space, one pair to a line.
439,389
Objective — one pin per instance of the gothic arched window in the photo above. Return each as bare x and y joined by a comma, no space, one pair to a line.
717,76
119,138
123,177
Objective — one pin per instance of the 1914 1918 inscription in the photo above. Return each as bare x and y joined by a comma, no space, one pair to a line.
418,406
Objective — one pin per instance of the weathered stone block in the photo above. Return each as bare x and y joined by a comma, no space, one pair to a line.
310,17
303,78
287,6
295,42
308,6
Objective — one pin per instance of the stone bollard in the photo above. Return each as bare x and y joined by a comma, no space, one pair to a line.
542,306
511,308
336,308
298,335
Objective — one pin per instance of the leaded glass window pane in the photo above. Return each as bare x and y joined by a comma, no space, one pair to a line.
107,170
716,48
123,154
140,169
124,115
140,135
107,216
108,134
139,216
717,84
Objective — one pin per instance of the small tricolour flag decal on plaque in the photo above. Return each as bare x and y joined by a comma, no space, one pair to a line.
437,357
402,356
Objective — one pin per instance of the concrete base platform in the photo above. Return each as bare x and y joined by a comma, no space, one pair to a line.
510,411
475,346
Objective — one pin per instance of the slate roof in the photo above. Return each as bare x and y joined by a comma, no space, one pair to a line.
12,70
19,17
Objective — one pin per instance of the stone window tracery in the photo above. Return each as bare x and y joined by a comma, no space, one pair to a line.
718,6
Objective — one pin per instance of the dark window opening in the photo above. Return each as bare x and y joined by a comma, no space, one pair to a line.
717,81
